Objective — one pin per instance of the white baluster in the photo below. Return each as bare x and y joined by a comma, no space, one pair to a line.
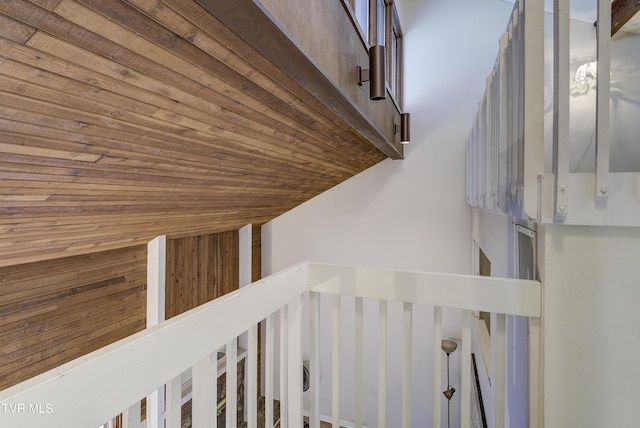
358,363
231,412
131,416
294,362
314,360
269,368
382,364
465,371
437,366
251,378
335,358
406,364
173,416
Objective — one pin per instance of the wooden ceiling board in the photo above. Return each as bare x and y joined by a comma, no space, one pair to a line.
128,119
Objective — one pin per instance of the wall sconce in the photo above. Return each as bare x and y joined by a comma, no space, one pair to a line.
449,346
403,128
375,74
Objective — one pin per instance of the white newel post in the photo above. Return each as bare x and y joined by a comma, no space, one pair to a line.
156,273
245,273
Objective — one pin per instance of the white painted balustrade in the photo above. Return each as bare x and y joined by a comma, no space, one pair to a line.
506,144
183,350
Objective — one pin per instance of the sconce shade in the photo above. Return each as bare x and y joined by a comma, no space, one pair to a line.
449,393
377,73
449,346
405,123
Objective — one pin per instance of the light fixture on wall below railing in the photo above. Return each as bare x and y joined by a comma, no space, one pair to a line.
404,128
375,74
449,346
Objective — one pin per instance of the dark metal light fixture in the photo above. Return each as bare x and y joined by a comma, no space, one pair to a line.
403,128
449,346
375,74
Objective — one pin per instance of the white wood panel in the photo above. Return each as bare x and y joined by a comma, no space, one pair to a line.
489,294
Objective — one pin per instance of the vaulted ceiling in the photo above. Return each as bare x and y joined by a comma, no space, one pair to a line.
122,120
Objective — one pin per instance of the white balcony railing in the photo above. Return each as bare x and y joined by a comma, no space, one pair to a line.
506,145
93,389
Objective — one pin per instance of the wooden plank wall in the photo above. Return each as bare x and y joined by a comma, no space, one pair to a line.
199,269
54,311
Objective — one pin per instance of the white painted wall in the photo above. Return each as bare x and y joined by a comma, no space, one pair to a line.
591,318
408,214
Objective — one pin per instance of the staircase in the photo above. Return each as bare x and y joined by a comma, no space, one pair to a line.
295,307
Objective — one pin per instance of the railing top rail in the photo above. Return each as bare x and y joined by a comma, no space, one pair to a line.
490,294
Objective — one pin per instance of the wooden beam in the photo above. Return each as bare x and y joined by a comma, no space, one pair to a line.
621,12
254,24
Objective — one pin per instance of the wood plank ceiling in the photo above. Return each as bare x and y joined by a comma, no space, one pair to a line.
122,120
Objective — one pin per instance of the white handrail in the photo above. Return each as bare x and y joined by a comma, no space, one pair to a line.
478,293
92,389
